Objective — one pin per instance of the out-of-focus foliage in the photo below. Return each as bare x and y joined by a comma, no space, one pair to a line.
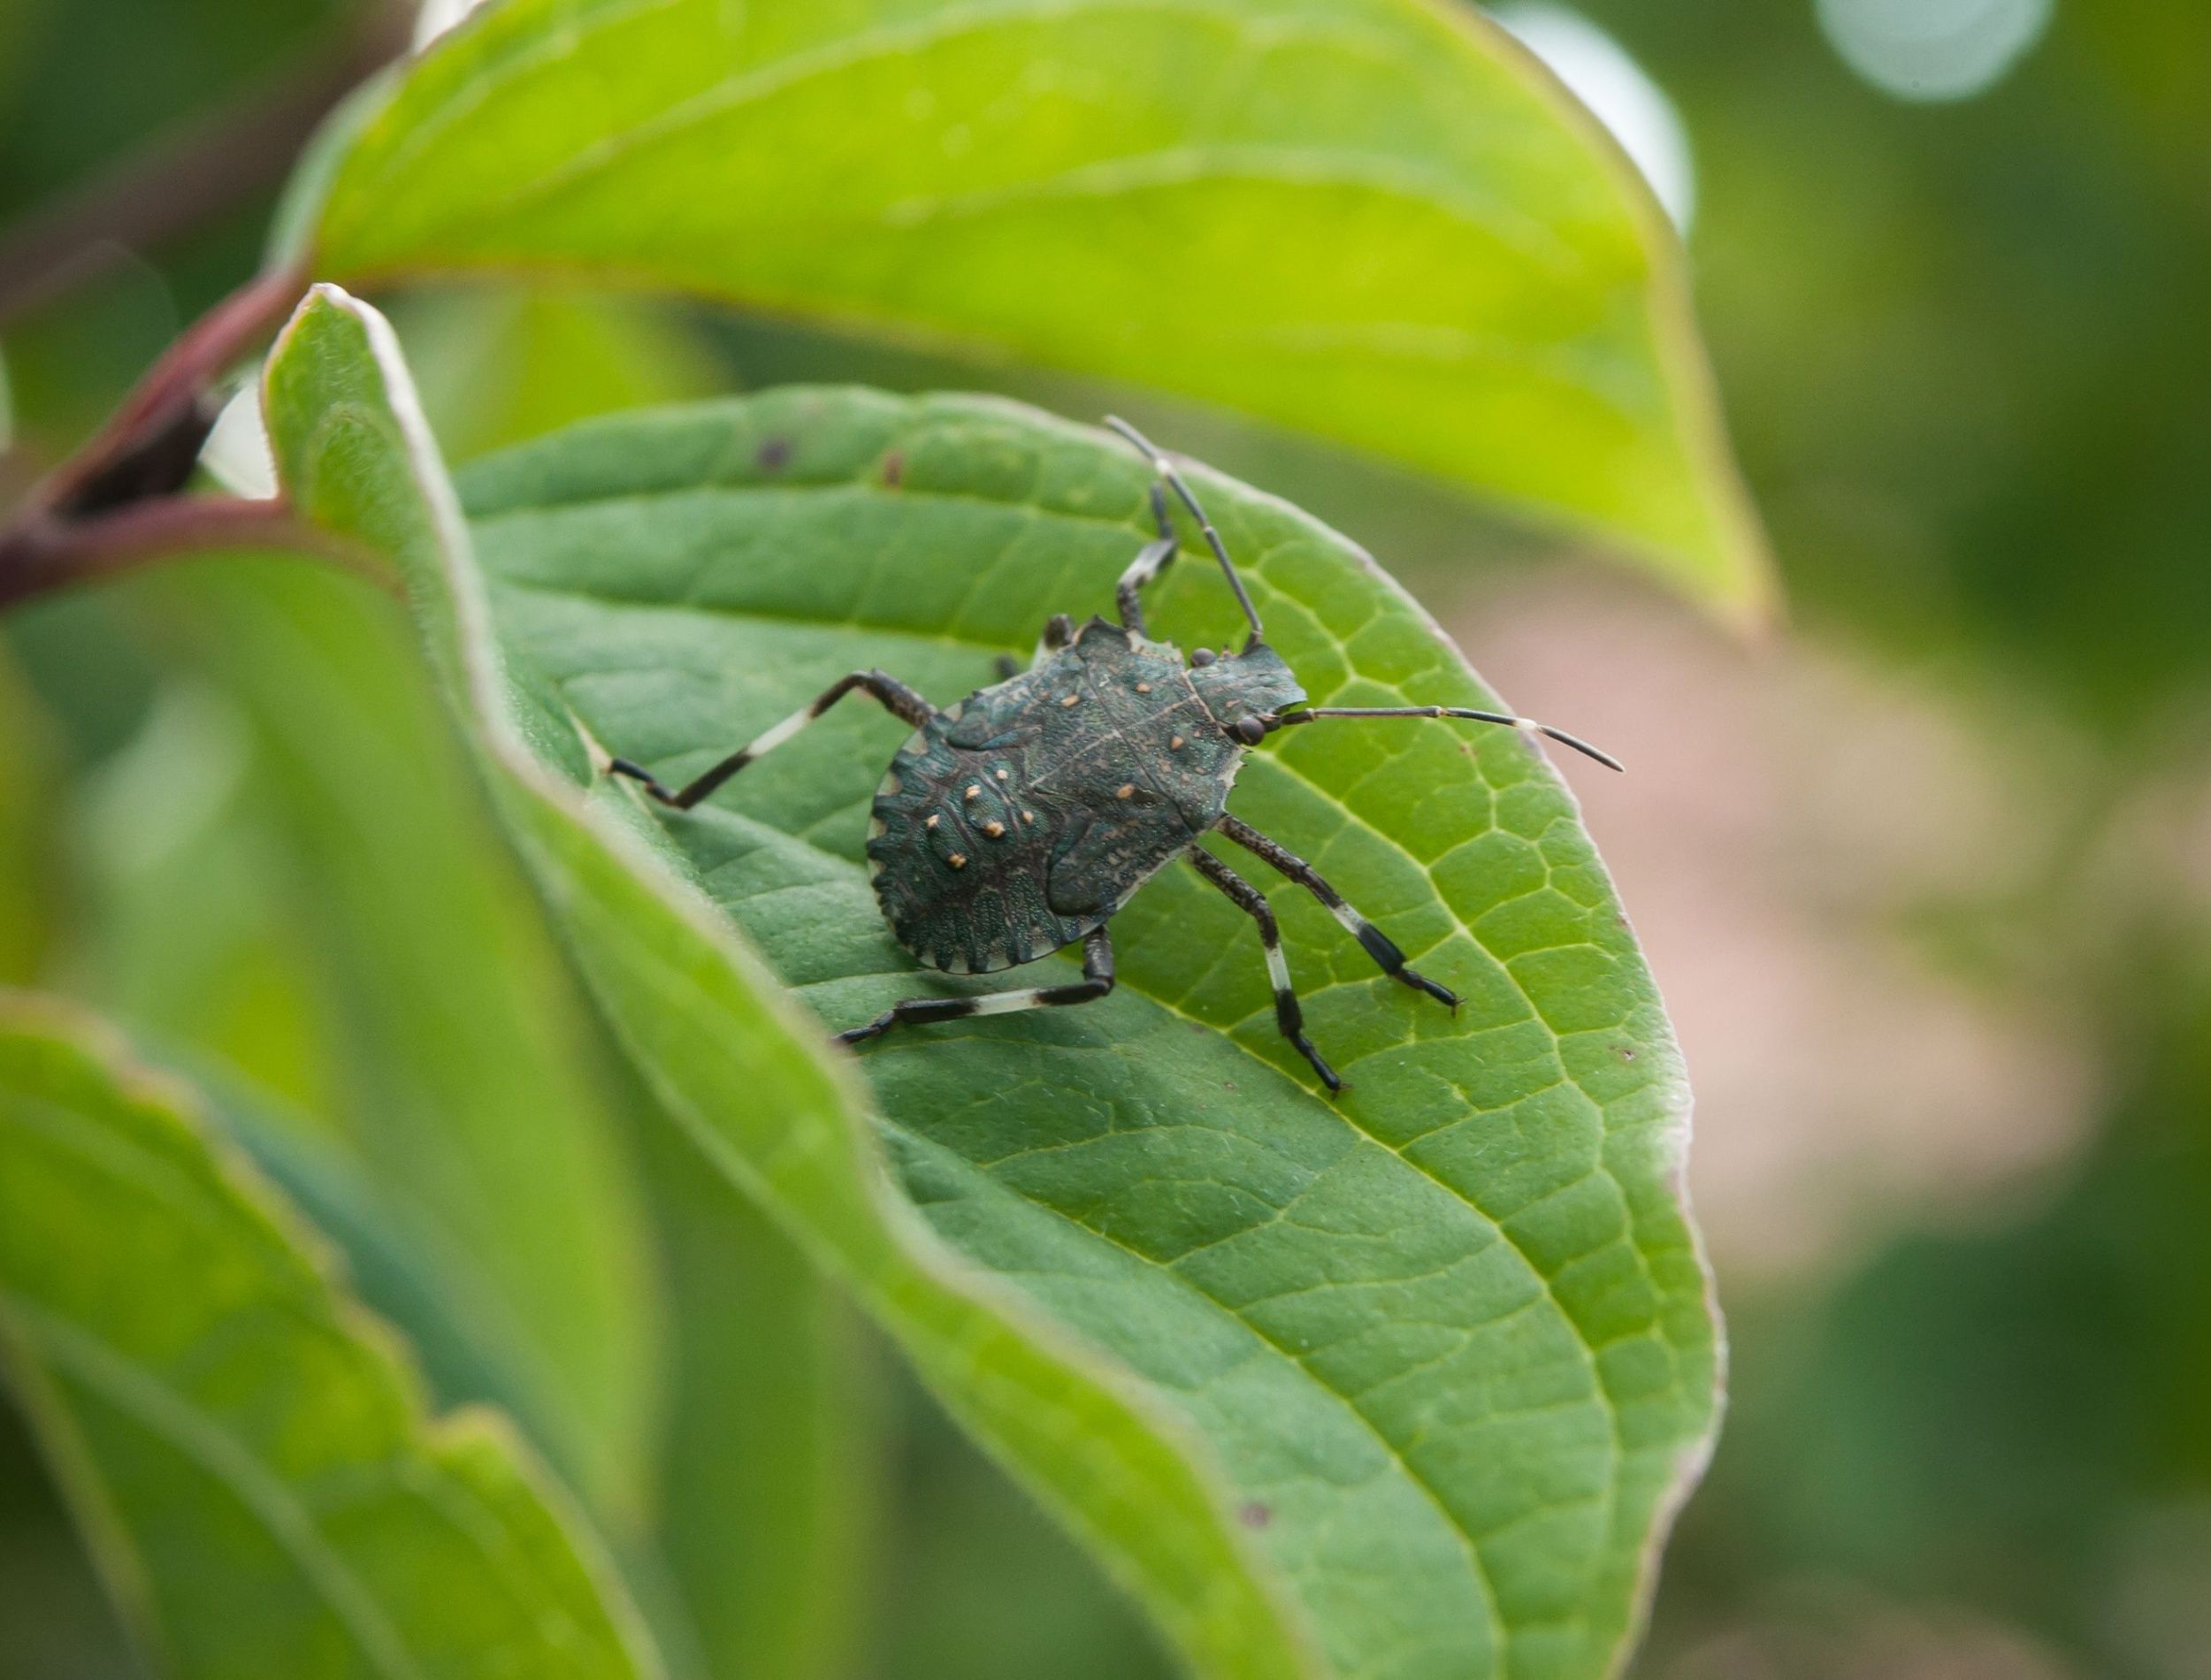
247,1448
1363,218
1964,347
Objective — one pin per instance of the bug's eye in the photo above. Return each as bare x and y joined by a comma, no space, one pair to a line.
1249,730
1201,656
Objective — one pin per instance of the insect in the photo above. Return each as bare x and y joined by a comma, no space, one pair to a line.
1021,820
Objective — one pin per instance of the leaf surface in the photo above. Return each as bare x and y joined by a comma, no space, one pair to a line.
1376,220
1442,1353
245,1447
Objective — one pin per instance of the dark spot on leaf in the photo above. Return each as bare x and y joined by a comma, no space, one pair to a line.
1626,1052
775,454
1255,1514
894,470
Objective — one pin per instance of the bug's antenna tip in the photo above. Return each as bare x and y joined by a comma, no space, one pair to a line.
1575,742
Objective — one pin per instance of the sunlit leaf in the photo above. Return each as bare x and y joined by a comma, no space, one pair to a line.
1376,220
245,1448
1447,1343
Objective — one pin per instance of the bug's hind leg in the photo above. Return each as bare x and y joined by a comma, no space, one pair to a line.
1376,944
1098,980
1288,1015
1154,557
897,698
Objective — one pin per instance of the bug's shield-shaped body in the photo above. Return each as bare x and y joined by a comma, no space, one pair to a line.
1025,816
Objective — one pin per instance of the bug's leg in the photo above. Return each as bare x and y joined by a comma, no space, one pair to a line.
1154,557
1252,902
897,698
1057,632
1098,980
1174,480
1376,944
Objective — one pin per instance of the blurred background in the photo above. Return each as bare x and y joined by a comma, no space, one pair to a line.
1925,874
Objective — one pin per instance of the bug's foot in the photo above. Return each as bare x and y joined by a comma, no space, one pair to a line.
1420,982
1007,666
1319,1063
874,1028
638,773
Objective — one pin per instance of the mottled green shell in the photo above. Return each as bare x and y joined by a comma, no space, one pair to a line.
1099,766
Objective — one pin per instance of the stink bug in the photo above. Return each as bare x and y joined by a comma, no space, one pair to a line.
1021,820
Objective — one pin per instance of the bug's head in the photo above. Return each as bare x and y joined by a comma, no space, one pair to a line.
1244,690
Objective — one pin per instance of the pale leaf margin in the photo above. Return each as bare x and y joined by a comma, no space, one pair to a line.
709,1026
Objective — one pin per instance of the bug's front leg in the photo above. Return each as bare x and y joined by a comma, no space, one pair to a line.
899,700
1289,1016
1372,940
1098,980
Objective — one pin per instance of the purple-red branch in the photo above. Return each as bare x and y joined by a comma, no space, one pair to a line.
43,553
115,504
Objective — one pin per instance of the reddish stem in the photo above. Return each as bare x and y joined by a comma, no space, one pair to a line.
42,553
149,446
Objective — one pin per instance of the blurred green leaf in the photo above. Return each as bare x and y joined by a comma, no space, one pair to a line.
499,366
1376,220
244,1447
746,1073
1448,1344
28,839
771,1465
296,873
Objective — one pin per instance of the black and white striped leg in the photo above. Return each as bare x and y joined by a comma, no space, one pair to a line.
1376,944
1174,480
897,698
1098,980
1288,1016
1154,557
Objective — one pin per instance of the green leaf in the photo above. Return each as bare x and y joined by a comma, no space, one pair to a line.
745,1072
296,872
772,1463
1376,220
1416,1378
245,1447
